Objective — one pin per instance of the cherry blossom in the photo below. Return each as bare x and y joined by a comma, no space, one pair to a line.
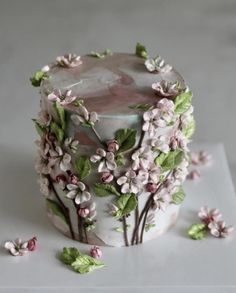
83,212
219,229
129,182
161,143
61,158
112,145
179,141
151,175
142,158
209,215
186,117
194,175
17,247
157,64
96,252
71,144
32,244
106,160
78,192
68,60
64,99
166,89
91,207
167,108
162,199
200,158
84,117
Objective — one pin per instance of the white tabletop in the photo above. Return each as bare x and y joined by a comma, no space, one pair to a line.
170,263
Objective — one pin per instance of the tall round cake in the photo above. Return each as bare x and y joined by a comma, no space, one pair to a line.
113,151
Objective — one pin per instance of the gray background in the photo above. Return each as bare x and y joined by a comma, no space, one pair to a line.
197,37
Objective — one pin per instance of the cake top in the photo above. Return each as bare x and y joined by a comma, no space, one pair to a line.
111,83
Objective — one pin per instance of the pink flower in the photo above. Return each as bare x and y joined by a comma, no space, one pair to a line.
178,140
68,60
162,199
84,117
96,252
166,89
142,158
151,187
83,212
151,175
78,192
152,120
61,158
90,208
194,175
17,247
64,99
219,229
112,145
32,244
209,216
129,182
161,143
106,160
200,158
106,177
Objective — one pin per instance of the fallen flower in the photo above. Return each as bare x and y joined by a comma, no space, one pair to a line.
96,252
220,230
19,248
200,158
194,175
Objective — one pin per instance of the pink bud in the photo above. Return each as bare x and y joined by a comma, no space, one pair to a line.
74,179
83,212
151,187
107,177
174,143
112,145
96,252
51,137
32,244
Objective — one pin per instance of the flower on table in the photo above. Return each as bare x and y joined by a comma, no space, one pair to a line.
130,182
142,158
68,60
161,143
106,160
165,88
84,117
162,199
32,244
71,144
96,252
200,158
157,64
44,185
60,157
219,229
63,99
17,247
78,192
209,215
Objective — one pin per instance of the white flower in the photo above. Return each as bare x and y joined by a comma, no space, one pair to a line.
61,158
106,160
44,185
17,247
219,229
68,60
78,192
150,175
181,172
91,206
84,117
129,182
179,140
64,99
162,199
166,89
209,215
44,118
186,117
157,64
167,108
71,144
161,143
45,68
142,158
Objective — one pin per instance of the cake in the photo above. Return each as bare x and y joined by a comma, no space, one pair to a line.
113,151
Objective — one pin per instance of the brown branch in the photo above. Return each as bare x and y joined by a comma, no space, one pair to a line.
136,222
125,232
144,224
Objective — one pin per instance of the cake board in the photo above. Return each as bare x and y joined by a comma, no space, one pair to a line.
171,263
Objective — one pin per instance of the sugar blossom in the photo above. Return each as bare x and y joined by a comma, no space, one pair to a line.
84,117
142,158
68,60
161,143
194,175
179,140
90,208
19,248
181,172
63,99
71,144
106,177
106,160
209,215
78,192
112,145
157,64
166,89
162,199
200,158
219,229
61,158
130,183
96,252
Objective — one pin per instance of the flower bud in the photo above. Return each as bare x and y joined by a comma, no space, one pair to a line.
112,145
83,212
32,244
151,187
96,252
74,179
107,177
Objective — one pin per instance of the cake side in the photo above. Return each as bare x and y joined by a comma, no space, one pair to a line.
113,157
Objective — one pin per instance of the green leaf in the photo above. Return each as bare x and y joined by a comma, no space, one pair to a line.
126,139
197,231
105,189
169,161
178,197
83,166
56,209
120,160
142,107
126,203
189,130
107,52
57,130
41,129
85,264
69,255
183,102
141,51
61,114
149,226
38,77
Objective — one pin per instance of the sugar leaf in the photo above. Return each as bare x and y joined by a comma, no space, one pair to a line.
197,231
126,139
83,166
84,264
105,189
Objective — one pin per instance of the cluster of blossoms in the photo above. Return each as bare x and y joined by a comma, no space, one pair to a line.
212,219
19,247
